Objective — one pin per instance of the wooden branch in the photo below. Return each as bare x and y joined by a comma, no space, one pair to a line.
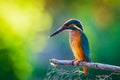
89,64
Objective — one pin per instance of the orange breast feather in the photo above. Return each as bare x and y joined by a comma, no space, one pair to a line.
75,43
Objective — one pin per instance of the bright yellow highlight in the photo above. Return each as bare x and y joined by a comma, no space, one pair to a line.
27,19
22,19
24,28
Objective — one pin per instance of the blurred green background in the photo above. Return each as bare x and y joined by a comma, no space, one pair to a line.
25,25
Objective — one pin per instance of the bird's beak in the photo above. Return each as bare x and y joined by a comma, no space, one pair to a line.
57,31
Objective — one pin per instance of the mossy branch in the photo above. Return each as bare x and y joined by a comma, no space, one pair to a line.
89,64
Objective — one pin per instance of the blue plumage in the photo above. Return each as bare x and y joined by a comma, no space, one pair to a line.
85,46
74,21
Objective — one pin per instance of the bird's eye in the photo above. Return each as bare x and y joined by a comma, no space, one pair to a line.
65,26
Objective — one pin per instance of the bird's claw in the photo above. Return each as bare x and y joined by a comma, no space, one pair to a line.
73,61
77,62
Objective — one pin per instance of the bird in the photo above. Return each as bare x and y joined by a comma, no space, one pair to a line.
78,41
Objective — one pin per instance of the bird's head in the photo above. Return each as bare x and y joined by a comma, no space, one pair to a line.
71,24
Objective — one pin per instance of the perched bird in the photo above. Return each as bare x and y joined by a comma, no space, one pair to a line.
78,41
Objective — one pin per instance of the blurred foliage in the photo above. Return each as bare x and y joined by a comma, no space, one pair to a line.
25,25
22,25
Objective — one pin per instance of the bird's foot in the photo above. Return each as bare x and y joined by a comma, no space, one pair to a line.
79,62
73,61
76,62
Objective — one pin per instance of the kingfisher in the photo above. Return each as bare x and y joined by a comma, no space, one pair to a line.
78,41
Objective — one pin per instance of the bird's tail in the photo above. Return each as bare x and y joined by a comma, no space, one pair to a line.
85,69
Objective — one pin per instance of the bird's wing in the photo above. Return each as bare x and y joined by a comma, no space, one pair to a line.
85,46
